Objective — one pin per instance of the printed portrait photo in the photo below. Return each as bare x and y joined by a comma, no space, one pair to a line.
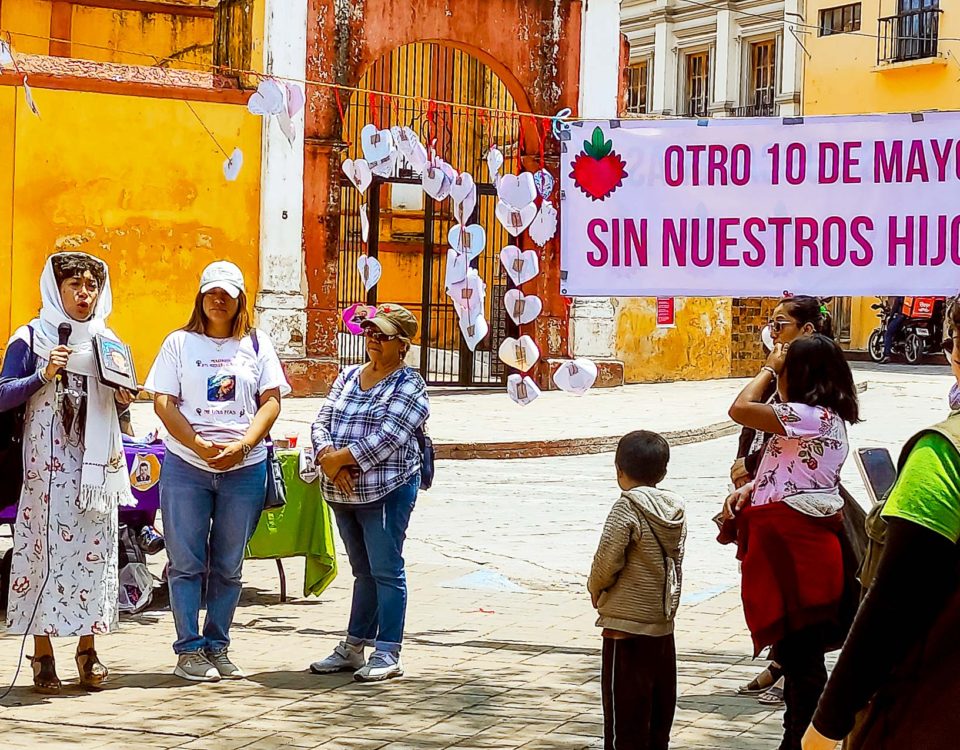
221,388
115,357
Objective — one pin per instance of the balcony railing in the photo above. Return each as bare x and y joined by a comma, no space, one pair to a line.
912,35
763,106
700,110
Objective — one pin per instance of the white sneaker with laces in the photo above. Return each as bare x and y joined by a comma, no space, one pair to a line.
345,658
194,666
382,665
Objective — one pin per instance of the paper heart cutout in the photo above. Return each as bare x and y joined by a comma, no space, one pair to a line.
469,296
354,315
544,182
494,163
522,308
417,158
522,389
28,96
295,99
463,186
515,220
448,170
268,99
436,183
457,266
470,239
384,168
517,190
521,267
375,144
463,212
576,377
364,224
520,354
287,127
232,166
766,338
358,172
544,227
370,271
475,332
406,139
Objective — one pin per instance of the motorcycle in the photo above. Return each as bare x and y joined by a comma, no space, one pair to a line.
916,338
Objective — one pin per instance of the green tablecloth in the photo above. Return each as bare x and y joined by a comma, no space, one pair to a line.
302,528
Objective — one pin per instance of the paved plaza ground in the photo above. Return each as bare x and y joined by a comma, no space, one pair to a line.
501,648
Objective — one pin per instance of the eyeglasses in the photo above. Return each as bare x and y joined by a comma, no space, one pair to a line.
375,335
778,325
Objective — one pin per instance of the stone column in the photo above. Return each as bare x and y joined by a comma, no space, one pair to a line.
727,78
280,304
664,70
791,76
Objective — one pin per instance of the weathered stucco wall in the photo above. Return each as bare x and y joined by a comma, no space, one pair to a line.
698,348
133,180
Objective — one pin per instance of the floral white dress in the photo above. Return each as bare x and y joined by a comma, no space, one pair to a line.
53,536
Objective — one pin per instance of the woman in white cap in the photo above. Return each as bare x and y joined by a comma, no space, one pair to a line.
217,384
63,579
366,445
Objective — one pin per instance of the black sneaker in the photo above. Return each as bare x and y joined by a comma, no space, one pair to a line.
150,540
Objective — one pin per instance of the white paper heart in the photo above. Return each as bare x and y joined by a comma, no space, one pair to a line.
515,220
295,99
521,267
494,163
28,95
463,212
406,139
370,271
358,172
436,182
376,144
457,266
544,182
520,354
448,170
364,224
268,99
287,127
544,227
522,308
517,190
417,158
522,389
6,55
469,296
475,332
384,168
462,188
470,239
766,338
231,167
576,377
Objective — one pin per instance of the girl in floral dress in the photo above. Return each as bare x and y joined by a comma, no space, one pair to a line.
63,579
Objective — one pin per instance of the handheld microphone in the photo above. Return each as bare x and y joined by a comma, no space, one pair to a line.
63,335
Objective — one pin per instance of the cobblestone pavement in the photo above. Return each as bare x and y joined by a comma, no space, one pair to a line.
501,650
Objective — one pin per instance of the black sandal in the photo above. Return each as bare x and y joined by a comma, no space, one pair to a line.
758,686
92,673
45,680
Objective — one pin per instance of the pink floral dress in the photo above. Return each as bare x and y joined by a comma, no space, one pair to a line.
807,459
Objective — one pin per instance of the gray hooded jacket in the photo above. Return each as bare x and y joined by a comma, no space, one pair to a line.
636,572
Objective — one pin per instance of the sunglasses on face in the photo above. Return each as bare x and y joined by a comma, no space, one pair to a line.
778,325
375,335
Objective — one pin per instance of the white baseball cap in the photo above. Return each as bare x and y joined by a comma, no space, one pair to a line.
225,275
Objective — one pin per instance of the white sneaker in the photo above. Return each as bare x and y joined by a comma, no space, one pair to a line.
194,666
345,658
382,665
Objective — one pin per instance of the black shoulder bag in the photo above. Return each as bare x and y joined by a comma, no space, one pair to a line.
276,485
11,451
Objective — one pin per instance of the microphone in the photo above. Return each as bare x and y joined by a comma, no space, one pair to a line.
63,335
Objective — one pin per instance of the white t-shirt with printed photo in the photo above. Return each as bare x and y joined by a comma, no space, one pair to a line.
217,383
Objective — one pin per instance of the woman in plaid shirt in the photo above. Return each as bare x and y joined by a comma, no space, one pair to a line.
366,446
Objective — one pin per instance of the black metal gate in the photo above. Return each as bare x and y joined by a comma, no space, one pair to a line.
408,229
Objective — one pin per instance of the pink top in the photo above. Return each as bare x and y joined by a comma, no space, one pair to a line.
808,458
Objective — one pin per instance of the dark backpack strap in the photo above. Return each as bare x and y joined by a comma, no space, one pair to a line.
255,340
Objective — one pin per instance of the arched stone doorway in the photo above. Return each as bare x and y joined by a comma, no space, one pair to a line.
408,229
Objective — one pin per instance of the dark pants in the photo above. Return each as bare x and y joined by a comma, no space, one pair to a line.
801,655
893,328
639,687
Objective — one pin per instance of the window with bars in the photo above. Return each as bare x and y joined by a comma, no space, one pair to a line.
637,79
697,91
763,77
840,20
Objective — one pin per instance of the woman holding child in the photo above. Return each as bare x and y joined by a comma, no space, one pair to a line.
788,520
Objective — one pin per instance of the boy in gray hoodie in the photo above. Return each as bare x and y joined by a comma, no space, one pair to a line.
635,586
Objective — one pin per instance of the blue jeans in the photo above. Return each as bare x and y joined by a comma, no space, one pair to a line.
374,538
208,518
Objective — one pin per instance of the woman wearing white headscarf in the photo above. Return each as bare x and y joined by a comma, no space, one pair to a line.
63,579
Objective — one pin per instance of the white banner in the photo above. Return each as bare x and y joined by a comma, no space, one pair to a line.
755,207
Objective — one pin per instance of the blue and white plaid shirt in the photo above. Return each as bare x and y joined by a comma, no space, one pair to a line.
378,426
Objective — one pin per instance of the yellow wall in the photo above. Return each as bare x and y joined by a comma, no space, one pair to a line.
134,181
841,76
27,17
698,348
